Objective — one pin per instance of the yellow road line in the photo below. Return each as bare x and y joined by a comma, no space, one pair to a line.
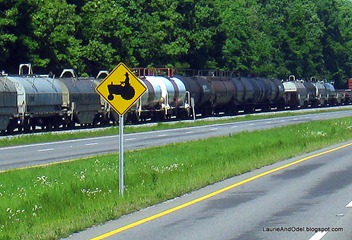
171,210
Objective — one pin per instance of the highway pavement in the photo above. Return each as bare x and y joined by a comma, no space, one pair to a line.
307,197
44,153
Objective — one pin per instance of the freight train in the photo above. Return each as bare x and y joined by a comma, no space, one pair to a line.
29,101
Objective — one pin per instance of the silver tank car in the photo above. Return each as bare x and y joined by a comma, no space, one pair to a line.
8,102
165,95
331,93
295,92
320,92
39,101
312,94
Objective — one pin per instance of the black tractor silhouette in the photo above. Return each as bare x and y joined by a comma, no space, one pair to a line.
125,90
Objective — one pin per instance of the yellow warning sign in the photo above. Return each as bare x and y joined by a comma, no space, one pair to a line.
121,89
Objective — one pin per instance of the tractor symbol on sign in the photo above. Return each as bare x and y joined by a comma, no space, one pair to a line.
125,90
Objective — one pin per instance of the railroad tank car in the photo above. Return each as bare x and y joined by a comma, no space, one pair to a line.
180,100
198,93
105,114
222,93
173,93
8,102
180,92
264,93
276,98
252,94
39,101
155,102
165,95
295,93
155,96
80,103
311,99
331,93
270,93
320,92
238,94
212,91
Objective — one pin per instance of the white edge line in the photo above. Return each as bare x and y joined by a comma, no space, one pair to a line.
349,205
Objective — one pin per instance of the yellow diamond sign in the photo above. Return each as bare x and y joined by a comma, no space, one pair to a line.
121,89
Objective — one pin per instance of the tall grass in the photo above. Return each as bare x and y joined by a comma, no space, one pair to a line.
53,201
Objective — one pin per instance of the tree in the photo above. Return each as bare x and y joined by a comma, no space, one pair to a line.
179,33
247,48
337,39
106,32
53,27
296,32
7,25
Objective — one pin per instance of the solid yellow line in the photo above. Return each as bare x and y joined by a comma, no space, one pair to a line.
171,210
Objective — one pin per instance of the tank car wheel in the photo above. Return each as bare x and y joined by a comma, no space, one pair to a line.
111,97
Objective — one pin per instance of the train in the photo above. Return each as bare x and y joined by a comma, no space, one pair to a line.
30,101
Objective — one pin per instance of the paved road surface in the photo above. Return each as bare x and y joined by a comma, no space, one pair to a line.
289,200
30,155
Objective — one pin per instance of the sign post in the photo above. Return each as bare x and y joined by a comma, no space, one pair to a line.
121,89
121,159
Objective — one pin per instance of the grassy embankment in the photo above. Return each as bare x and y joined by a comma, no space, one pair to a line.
53,201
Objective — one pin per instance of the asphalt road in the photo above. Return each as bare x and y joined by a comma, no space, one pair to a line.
308,197
31,155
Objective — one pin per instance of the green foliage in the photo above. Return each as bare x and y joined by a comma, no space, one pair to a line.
297,32
54,25
7,35
337,38
271,37
247,47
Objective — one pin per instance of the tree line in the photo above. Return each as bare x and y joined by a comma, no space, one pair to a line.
273,38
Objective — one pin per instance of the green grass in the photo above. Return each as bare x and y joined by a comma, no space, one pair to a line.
53,201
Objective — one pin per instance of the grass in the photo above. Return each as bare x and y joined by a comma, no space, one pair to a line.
53,201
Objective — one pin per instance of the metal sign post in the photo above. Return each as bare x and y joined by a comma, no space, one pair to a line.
121,89
121,160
